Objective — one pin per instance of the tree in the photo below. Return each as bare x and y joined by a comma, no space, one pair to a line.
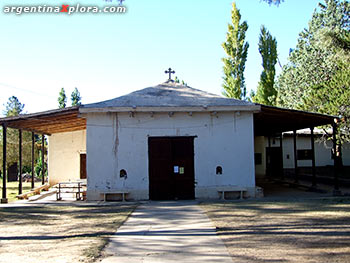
312,62
236,49
333,97
13,107
275,2
267,92
75,97
62,99
177,80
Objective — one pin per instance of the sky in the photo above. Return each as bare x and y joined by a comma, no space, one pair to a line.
109,55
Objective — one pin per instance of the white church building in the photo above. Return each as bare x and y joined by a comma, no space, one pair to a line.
163,142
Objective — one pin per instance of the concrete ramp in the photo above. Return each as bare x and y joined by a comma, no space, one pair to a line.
167,232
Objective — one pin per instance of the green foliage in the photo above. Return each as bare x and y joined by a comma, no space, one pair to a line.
266,92
75,97
62,99
275,2
237,50
13,107
334,98
312,62
13,149
177,80
39,167
339,41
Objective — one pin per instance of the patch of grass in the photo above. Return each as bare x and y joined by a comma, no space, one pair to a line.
12,189
94,253
284,231
70,233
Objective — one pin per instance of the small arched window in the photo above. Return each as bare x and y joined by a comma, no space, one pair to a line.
218,170
123,173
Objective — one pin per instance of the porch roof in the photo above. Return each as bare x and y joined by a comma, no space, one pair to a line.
269,121
272,121
48,122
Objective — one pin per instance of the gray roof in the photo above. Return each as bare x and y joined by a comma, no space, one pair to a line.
166,95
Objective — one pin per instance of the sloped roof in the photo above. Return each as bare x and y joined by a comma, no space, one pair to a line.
47,122
169,95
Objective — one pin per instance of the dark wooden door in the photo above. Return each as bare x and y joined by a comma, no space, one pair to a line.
82,166
171,168
274,162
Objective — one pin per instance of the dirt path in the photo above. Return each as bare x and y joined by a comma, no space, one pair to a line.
57,233
284,231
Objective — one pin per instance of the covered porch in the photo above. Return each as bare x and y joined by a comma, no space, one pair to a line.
270,124
49,124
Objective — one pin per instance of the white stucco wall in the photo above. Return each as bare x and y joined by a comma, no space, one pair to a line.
118,141
64,156
322,152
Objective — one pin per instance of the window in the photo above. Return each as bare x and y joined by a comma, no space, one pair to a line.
123,174
258,158
218,170
304,154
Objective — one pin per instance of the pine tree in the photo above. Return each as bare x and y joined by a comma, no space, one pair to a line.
312,62
333,97
75,97
237,50
266,91
275,2
62,99
13,107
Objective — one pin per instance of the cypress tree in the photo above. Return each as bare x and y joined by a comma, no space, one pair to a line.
266,92
76,98
236,49
62,99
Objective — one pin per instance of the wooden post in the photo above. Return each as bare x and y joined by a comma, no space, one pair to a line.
268,157
336,190
42,159
20,162
296,179
33,172
4,177
281,146
314,183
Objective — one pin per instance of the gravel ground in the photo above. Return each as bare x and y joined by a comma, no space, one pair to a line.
58,233
316,230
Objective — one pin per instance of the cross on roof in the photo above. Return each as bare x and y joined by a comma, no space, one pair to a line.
169,71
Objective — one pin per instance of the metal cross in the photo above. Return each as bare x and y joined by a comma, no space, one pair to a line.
169,71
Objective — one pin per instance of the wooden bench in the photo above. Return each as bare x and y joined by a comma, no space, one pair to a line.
76,188
35,191
225,189
123,193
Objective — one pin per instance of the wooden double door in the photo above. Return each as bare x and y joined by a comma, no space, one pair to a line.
171,168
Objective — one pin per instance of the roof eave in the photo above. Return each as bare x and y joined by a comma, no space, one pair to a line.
247,108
